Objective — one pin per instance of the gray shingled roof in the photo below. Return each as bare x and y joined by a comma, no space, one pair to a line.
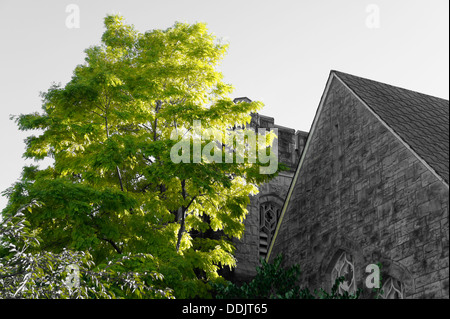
421,120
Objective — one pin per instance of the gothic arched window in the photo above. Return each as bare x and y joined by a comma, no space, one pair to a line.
344,267
269,214
392,289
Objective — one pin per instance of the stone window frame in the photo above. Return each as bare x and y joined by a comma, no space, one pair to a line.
389,268
265,238
392,287
394,271
345,259
339,244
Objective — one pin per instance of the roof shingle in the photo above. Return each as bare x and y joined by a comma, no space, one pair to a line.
421,121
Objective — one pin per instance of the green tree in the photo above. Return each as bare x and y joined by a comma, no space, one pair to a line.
26,271
113,189
272,281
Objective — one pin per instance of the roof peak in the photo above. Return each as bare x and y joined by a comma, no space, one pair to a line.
420,120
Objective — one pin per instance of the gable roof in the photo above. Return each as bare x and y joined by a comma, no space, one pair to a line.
420,120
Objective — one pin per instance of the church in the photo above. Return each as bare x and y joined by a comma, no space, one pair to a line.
369,184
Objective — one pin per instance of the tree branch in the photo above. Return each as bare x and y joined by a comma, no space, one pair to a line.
112,244
157,108
117,167
120,177
183,214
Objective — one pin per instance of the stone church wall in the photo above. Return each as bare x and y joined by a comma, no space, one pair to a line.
363,193
248,248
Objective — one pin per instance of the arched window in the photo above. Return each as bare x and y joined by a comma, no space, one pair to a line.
392,289
269,214
344,267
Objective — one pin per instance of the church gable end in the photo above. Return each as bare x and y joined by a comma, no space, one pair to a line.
361,197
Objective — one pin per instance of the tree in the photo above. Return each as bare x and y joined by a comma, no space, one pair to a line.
29,272
272,281
114,189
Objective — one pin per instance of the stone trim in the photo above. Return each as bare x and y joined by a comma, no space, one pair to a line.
300,163
393,132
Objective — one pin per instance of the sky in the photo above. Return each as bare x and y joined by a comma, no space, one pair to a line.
280,51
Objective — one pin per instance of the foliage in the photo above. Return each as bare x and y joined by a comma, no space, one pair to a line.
379,291
272,281
113,190
28,272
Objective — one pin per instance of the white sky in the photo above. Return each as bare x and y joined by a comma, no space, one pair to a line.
281,51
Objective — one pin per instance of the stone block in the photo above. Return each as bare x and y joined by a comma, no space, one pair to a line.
433,290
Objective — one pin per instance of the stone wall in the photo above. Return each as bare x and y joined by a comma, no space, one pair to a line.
361,191
290,145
